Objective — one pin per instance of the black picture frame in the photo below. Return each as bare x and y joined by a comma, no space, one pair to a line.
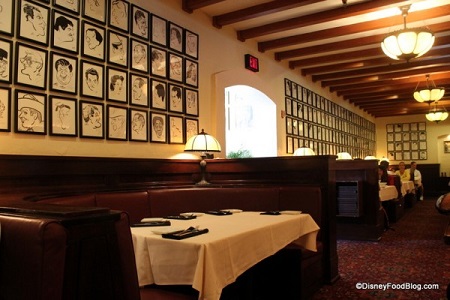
31,112
63,73
191,73
63,116
117,49
158,62
138,128
118,14
117,85
176,130
92,80
140,20
31,66
5,109
139,55
191,128
191,44
176,37
91,120
191,102
176,67
117,124
94,10
65,31
159,30
158,127
175,98
7,16
93,41
6,59
158,94
72,6
33,22
139,90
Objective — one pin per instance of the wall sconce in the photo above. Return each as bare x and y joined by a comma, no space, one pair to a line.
437,114
407,43
203,143
429,94
304,151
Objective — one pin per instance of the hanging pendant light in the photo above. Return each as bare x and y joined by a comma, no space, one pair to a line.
407,43
437,114
429,94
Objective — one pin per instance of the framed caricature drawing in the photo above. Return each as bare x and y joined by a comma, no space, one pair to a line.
191,44
117,85
5,109
72,6
7,15
191,126
175,98
63,116
191,76
176,71
65,32
31,66
139,56
139,87
176,37
93,41
117,122
159,94
95,10
5,60
91,120
191,99
117,49
64,70
176,130
158,62
158,125
118,14
138,125
91,78
33,22
159,30
140,22
30,113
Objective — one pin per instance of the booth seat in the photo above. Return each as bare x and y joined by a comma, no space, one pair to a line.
160,202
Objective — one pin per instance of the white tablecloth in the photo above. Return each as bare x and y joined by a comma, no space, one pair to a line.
388,192
407,187
211,261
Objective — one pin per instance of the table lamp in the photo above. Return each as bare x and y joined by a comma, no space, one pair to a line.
203,143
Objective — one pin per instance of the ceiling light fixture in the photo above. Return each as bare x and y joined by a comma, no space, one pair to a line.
429,94
437,114
407,43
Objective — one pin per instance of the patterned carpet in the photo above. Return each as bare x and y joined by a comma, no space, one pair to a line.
414,254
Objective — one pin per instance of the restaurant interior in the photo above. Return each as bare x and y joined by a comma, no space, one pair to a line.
191,149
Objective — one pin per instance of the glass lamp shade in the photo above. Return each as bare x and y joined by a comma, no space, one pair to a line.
304,151
202,142
429,95
437,114
370,157
408,43
343,156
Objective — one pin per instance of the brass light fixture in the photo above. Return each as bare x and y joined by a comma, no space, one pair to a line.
429,94
407,43
436,113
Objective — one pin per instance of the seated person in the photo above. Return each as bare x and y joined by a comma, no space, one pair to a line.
402,172
416,177
382,173
385,164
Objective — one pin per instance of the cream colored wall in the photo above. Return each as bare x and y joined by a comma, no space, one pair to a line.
221,64
436,135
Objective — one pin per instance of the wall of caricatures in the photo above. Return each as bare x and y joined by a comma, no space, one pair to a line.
96,69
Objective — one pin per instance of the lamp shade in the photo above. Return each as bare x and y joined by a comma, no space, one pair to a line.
304,151
429,94
202,142
370,157
407,43
437,114
343,156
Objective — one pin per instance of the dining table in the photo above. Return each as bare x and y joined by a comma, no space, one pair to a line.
388,192
232,244
407,187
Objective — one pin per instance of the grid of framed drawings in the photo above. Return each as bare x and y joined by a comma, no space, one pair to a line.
97,69
324,126
407,141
